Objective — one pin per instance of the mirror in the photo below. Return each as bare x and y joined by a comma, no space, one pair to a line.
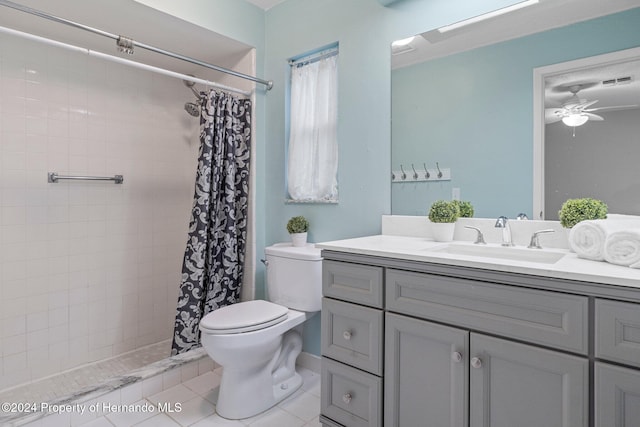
588,117
473,113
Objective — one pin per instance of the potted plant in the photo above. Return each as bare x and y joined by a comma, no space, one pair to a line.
443,214
575,210
466,208
297,228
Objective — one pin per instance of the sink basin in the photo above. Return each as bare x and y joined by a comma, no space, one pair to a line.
501,252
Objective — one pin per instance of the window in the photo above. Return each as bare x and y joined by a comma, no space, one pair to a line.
312,164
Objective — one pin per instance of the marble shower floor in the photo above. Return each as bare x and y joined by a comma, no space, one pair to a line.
70,382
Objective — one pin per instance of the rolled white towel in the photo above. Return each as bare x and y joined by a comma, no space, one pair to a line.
623,248
587,238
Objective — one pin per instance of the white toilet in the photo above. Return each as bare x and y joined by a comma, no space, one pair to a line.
255,341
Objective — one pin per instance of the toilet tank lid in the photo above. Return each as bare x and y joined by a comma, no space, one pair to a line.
287,250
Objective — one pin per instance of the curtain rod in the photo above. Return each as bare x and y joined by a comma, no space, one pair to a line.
124,61
126,44
317,56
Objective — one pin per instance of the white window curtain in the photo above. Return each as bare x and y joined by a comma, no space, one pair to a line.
313,146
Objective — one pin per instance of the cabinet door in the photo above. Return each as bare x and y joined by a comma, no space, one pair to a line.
514,384
617,396
426,374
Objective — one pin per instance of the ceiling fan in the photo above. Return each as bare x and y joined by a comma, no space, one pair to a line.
575,111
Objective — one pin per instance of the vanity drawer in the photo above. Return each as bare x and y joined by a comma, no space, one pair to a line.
349,396
547,318
618,331
352,334
353,282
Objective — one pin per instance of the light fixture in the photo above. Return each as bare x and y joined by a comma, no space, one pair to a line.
488,15
575,120
403,42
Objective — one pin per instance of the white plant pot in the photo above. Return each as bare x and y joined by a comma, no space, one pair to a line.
298,239
443,231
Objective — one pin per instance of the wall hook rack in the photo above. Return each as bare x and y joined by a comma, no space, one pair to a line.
437,174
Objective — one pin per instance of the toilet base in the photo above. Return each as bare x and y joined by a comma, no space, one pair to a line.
249,389
280,391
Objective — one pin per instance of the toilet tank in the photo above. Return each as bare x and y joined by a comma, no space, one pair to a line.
294,276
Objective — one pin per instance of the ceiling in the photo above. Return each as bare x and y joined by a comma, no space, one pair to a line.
545,15
591,87
265,4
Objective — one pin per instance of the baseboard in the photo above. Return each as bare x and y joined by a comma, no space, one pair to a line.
309,361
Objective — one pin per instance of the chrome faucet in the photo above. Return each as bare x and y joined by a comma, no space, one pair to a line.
503,222
535,244
479,236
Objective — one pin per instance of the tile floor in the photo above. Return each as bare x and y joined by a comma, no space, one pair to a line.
197,397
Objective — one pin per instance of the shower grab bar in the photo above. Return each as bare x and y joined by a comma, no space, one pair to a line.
117,179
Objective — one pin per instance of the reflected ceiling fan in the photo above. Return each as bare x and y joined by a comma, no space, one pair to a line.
575,111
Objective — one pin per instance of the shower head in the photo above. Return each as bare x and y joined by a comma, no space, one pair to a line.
192,108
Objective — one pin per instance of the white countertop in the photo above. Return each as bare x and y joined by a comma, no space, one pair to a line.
424,249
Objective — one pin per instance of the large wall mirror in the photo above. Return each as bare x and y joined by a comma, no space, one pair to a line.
477,113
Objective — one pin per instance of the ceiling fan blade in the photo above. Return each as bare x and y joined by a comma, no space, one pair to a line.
613,108
594,117
552,115
582,106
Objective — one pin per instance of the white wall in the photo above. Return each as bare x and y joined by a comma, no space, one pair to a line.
88,270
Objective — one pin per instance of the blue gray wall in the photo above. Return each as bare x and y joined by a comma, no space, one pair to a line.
364,30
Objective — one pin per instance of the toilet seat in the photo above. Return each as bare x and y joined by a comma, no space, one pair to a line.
243,317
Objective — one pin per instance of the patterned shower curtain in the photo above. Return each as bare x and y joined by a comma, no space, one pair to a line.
212,269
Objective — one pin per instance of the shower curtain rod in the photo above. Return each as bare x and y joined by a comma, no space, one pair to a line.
126,44
124,61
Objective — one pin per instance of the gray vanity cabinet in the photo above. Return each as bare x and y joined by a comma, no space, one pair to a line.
408,343
617,395
352,345
433,370
617,340
513,384
426,373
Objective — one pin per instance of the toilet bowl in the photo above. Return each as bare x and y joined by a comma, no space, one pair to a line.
257,342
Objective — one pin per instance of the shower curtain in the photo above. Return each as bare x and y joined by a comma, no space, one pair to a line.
212,269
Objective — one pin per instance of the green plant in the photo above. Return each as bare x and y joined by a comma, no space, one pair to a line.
297,224
444,211
466,208
575,210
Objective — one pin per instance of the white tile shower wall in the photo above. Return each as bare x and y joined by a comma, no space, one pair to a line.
88,270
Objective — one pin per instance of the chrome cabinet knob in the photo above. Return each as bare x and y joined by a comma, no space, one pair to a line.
456,356
346,335
476,363
346,398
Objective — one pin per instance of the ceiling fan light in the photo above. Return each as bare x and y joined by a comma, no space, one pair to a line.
575,120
